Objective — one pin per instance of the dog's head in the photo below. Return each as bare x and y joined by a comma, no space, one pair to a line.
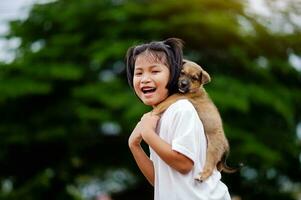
192,77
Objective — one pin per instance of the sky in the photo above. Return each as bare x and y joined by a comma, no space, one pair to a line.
9,10
13,9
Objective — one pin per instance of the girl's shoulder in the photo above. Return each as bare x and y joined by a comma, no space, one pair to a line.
180,106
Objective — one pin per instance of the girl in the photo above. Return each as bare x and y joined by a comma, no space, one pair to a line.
177,140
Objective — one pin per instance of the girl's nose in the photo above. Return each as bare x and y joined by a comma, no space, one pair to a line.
145,78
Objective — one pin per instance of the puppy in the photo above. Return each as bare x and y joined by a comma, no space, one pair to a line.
190,83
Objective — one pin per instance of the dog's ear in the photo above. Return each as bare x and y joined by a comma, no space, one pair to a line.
204,77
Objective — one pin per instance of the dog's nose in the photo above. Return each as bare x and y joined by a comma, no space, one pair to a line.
184,83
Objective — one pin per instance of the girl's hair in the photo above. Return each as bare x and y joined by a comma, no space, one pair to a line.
168,51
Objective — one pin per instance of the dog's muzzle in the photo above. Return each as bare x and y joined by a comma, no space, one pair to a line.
183,86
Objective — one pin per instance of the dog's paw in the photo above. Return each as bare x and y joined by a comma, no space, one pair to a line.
199,178
203,176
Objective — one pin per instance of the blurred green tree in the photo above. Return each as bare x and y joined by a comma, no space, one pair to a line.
66,108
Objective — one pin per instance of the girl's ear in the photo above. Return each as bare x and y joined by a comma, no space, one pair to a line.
204,77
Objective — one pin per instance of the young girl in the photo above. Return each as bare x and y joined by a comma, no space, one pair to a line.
177,140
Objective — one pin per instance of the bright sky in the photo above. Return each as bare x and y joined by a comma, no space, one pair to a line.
9,10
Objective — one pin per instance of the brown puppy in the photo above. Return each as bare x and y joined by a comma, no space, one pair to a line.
191,82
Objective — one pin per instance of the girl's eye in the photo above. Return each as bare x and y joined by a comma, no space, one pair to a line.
155,71
138,73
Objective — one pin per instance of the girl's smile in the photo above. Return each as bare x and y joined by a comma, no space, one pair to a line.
151,76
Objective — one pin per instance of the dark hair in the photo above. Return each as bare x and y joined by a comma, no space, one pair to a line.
171,48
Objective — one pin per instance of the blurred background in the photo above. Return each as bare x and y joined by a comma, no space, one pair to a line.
66,109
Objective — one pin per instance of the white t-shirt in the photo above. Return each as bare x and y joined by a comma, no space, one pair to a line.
181,127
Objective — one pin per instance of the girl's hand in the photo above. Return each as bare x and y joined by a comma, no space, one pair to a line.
135,137
149,123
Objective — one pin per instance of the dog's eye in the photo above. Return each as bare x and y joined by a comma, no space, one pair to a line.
182,73
195,78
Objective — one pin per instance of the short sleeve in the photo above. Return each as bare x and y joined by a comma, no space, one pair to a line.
186,136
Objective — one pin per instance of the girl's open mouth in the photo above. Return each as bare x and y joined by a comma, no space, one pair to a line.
147,90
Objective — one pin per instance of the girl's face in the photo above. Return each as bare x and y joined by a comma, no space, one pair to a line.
150,79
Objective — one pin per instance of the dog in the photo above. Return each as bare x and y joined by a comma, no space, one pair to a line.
190,83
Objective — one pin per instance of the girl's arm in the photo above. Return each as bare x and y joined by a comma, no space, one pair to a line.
144,163
173,158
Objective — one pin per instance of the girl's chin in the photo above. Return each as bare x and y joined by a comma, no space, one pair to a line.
152,103
149,103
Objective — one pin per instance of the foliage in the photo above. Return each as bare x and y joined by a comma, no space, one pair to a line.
67,110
